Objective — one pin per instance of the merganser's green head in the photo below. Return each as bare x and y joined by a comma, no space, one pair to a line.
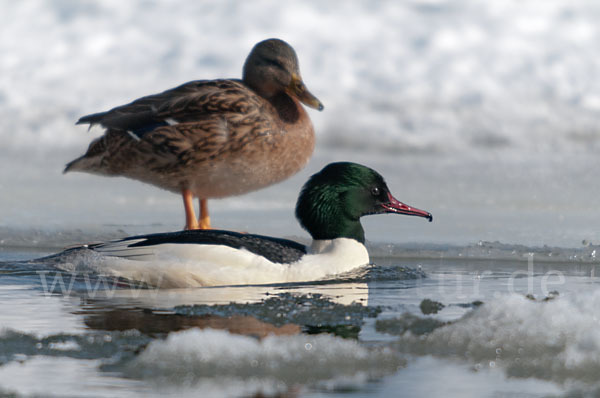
333,200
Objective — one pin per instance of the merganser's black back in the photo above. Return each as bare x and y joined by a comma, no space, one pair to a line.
276,250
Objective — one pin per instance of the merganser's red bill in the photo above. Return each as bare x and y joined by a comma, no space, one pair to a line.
395,206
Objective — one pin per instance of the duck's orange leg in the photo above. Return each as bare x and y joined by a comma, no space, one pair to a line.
188,205
204,220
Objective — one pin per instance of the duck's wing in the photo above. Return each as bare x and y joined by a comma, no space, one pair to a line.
276,250
189,124
190,102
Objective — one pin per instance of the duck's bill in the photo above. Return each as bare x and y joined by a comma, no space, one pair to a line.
299,90
397,207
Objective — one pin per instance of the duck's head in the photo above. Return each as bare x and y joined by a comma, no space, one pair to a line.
332,202
272,68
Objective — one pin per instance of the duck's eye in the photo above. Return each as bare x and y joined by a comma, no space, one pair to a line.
375,191
274,62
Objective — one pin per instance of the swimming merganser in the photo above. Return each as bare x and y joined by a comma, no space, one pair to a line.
329,207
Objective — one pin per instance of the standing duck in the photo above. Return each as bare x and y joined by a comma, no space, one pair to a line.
329,207
211,138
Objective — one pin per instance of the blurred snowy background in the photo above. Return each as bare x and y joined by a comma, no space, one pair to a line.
486,113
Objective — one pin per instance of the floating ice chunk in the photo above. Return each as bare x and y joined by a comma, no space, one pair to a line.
555,340
195,355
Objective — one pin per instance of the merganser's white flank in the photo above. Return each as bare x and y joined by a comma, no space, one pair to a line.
329,208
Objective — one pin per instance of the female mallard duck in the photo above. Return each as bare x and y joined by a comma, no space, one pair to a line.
211,138
329,208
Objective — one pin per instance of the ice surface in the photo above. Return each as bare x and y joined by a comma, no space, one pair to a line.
398,76
495,251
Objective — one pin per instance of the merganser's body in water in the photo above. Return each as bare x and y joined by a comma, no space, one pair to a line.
329,207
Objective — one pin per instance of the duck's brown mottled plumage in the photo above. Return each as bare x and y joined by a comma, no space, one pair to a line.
215,138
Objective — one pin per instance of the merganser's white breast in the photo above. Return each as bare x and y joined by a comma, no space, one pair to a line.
171,265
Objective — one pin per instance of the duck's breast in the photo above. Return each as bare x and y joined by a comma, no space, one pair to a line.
266,147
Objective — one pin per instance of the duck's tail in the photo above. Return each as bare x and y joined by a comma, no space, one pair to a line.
92,160
75,165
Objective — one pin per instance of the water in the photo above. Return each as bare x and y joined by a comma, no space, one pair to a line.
483,113
500,320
